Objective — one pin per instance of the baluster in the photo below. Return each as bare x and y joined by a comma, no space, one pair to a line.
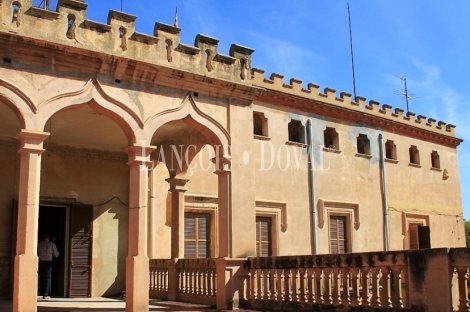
264,282
258,284
463,273
294,285
286,284
279,285
346,291
365,279
320,286
165,280
385,294
302,288
328,281
309,286
270,285
375,299
213,277
335,285
355,284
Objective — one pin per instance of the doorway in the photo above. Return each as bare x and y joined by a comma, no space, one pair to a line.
53,221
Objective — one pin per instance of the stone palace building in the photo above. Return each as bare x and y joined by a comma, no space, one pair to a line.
126,147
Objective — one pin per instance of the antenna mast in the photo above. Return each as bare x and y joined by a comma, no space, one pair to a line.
121,5
352,55
404,92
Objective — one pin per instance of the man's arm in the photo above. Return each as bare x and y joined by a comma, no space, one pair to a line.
55,252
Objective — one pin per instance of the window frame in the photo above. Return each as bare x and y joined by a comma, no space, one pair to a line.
296,131
363,138
259,242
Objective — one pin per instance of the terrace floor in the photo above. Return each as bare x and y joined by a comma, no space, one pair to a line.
107,304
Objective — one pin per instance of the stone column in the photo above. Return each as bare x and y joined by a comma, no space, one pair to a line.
222,165
26,260
177,191
137,262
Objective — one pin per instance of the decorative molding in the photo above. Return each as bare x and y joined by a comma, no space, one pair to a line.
19,93
274,207
323,206
407,216
73,152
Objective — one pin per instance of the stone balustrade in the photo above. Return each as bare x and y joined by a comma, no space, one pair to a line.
433,280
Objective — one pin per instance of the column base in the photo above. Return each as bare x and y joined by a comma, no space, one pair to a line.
137,284
25,286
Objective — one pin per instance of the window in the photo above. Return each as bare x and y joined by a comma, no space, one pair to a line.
260,124
363,144
296,131
330,138
196,235
390,150
338,234
414,155
435,161
263,237
419,236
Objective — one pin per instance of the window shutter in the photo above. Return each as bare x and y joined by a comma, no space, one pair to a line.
424,237
263,237
338,242
414,236
196,235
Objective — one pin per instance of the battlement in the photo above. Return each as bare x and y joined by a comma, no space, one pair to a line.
69,26
276,83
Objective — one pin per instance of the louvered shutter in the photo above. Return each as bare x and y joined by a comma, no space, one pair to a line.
338,242
80,250
196,235
263,237
414,235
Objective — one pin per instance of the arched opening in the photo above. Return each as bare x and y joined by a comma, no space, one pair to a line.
187,148
84,200
10,126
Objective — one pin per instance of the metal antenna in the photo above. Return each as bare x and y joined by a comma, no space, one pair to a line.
121,5
404,92
352,55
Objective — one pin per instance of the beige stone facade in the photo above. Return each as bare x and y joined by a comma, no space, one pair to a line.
116,140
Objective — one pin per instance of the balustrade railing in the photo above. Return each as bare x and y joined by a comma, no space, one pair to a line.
460,263
368,279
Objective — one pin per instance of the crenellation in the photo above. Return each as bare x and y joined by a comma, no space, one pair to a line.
296,84
72,4
421,119
97,26
440,124
359,101
373,105
225,59
386,109
278,80
144,38
187,49
330,93
42,13
432,123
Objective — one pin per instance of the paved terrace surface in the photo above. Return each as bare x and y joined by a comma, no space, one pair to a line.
108,304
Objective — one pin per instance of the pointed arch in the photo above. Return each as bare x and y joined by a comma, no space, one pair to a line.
191,114
19,102
93,95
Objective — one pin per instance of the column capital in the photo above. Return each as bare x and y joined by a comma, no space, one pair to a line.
32,141
140,153
222,163
177,184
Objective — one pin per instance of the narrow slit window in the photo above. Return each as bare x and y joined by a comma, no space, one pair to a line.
71,27
363,144
390,150
435,160
414,155
296,131
16,18
331,139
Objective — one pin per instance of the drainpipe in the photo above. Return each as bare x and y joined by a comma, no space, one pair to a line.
152,211
312,186
384,193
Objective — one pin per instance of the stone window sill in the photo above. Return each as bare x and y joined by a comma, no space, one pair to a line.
261,137
436,169
392,161
414,165
331,150
363,156
296,144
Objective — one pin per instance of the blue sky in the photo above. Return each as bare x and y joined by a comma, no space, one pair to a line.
425,41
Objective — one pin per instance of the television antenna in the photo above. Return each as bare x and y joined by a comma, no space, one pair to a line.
404,92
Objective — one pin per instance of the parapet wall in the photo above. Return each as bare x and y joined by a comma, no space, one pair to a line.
69,26
276,83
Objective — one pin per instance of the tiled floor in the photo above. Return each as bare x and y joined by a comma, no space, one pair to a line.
106,304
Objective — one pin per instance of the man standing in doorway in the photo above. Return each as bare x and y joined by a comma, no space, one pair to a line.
46,250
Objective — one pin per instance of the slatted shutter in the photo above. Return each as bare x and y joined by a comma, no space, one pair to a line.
338,237
263,237
196,235
81,217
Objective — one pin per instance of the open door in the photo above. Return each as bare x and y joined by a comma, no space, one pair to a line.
81,217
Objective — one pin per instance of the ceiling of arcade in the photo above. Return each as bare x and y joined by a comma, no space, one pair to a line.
178,132
82,127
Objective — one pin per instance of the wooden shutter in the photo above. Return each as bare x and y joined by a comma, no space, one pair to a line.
424,237
263,237
196,235
338,242
81,217
413,235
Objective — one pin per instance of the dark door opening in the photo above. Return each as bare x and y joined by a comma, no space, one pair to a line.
52,220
